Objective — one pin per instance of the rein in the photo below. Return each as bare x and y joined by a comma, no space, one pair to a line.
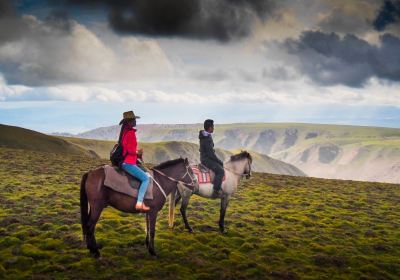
158,185
173,179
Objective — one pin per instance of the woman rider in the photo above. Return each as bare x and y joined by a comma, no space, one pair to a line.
129,146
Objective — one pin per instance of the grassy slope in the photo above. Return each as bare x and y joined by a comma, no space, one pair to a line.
162,151
21,138
291,228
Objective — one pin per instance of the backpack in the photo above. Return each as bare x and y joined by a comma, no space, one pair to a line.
116,155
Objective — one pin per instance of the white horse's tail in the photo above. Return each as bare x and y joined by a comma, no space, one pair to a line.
171,212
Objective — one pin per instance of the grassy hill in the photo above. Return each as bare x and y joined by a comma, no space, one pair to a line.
21,138
328,151
162,151
279,227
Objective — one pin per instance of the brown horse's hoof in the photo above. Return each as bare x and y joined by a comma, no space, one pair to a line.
190,230
95,254
152,252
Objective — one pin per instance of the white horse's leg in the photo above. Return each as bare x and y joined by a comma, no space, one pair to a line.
171,208
224,204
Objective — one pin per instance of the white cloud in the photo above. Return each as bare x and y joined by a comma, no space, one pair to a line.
296,92
10,92
43,55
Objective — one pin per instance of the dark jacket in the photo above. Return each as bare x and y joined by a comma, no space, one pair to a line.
207,152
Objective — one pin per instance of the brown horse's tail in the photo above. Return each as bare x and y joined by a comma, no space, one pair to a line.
84,206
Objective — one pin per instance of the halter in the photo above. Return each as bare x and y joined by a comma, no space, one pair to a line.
187,173
248,174
191,185
242,174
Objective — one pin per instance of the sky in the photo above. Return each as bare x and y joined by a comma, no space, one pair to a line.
71,66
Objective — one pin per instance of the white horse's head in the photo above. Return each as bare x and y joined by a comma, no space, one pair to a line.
242,163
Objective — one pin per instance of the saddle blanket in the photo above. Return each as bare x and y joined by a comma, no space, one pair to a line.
119,181
204,176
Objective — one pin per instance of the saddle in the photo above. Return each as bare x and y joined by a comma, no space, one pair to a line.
204,174
122,182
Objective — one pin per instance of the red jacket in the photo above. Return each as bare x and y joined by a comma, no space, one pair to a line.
129,145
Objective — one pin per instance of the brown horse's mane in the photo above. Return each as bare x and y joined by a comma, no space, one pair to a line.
169,163
242,155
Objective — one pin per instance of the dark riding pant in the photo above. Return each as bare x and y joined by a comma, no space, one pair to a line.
219,173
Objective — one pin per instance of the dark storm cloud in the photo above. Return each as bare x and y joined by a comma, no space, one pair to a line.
59,20
31,50
341,22
14,27
388,14
6,8
200,19
329,59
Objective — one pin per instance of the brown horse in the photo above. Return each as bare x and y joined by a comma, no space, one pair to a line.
98,196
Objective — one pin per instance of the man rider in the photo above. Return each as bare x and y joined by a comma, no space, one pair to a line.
208,156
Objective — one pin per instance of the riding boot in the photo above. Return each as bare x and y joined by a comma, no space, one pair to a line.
216,192
141,207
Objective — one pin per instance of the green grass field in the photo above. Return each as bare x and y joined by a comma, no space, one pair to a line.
279,227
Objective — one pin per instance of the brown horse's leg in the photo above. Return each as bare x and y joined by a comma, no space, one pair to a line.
147,231
95,212
84,206
152,231
184,205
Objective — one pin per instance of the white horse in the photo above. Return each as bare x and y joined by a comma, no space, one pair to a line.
238,166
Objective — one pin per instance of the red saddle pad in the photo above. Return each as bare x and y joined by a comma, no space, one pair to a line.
203,177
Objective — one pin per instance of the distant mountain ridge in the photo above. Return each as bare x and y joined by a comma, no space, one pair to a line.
327,151
162,151
21,138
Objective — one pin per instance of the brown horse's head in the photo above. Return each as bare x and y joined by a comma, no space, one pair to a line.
179,169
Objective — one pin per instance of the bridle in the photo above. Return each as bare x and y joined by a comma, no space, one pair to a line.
187,173
247,175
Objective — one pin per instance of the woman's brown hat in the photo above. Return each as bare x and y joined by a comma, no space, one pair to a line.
129,115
